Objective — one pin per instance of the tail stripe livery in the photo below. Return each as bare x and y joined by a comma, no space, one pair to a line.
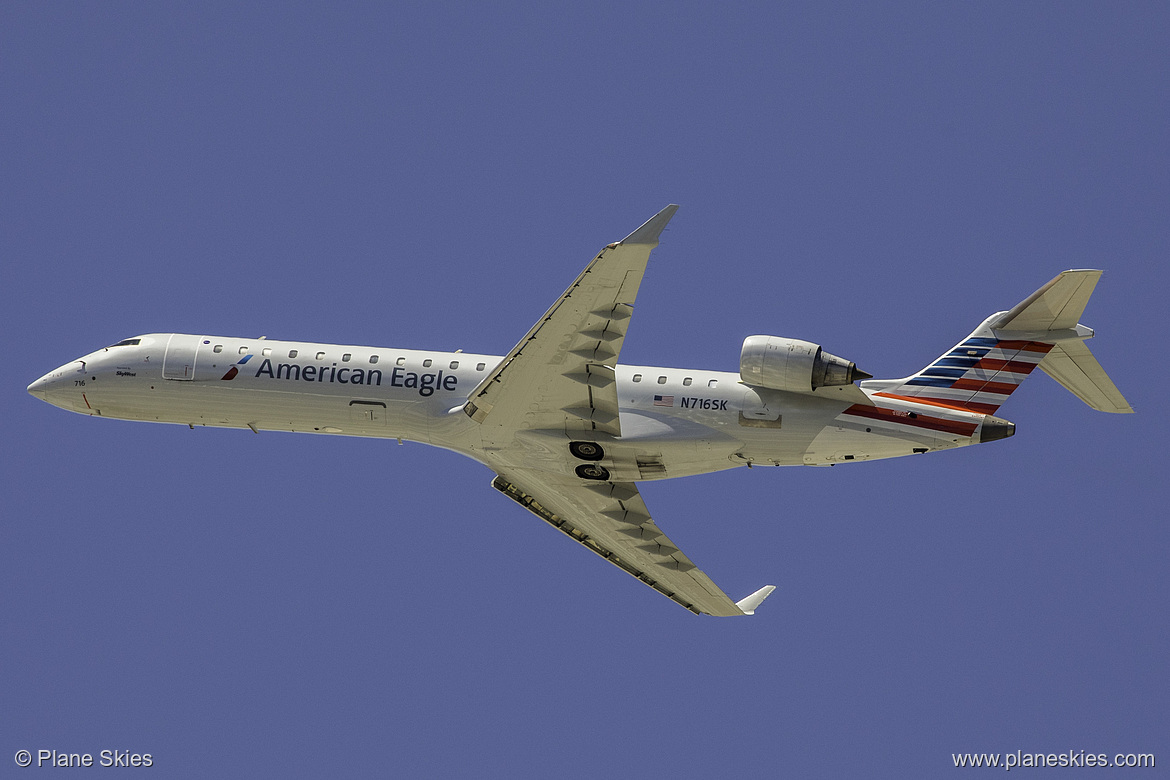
939,424
977,375
980,372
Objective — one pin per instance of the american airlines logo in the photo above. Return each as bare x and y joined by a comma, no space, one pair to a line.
231,374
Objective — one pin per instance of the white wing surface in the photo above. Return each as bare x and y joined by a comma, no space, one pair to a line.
561,378
611,519
561,374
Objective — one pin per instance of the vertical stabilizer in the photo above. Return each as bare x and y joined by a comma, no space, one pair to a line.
981,371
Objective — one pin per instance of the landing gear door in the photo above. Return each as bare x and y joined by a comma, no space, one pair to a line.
179,361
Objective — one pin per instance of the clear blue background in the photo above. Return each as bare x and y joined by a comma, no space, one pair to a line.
877,178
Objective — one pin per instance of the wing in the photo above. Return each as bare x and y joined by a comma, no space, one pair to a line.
561,374
561,377
611,519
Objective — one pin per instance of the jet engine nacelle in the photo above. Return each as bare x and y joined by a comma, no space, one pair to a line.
793,365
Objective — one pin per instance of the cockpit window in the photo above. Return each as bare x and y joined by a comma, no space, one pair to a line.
126,343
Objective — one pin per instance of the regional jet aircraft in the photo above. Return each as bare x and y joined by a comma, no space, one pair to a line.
569,432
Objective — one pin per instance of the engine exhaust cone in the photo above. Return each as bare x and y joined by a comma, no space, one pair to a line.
995,429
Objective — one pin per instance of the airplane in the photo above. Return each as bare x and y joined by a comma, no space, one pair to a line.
569,432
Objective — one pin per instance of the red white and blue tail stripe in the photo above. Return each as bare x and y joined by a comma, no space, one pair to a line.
976,375
967,385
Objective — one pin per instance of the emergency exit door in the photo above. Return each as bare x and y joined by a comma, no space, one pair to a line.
179,360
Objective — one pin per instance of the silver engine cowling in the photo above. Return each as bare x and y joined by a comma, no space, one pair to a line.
793,365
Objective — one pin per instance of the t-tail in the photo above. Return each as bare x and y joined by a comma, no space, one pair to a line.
981,371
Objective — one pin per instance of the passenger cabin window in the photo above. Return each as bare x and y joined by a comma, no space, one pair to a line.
267,351
373,358
687,382
345,358
320,355
217,348
637,377
712,383
454,364
292,353
661,380
427,363
243,350
480,366
400,361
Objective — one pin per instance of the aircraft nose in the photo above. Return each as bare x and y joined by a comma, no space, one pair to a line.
40,388
56,380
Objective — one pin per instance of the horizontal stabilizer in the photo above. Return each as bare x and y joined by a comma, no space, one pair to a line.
1058,306
1055,306
749,604
1073,365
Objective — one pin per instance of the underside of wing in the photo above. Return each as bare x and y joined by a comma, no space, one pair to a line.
611,519
561,374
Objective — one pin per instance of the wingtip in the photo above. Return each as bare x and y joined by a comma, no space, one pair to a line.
748,605
649,232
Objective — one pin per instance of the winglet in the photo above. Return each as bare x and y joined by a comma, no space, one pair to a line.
748,606
652,229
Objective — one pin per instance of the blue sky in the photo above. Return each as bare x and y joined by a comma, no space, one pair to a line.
876,178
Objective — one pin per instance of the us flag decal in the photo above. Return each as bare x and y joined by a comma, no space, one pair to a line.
664,400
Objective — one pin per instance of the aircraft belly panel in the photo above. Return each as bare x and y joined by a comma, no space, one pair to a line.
846,442
195,403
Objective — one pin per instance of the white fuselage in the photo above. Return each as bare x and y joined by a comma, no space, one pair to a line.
674,422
